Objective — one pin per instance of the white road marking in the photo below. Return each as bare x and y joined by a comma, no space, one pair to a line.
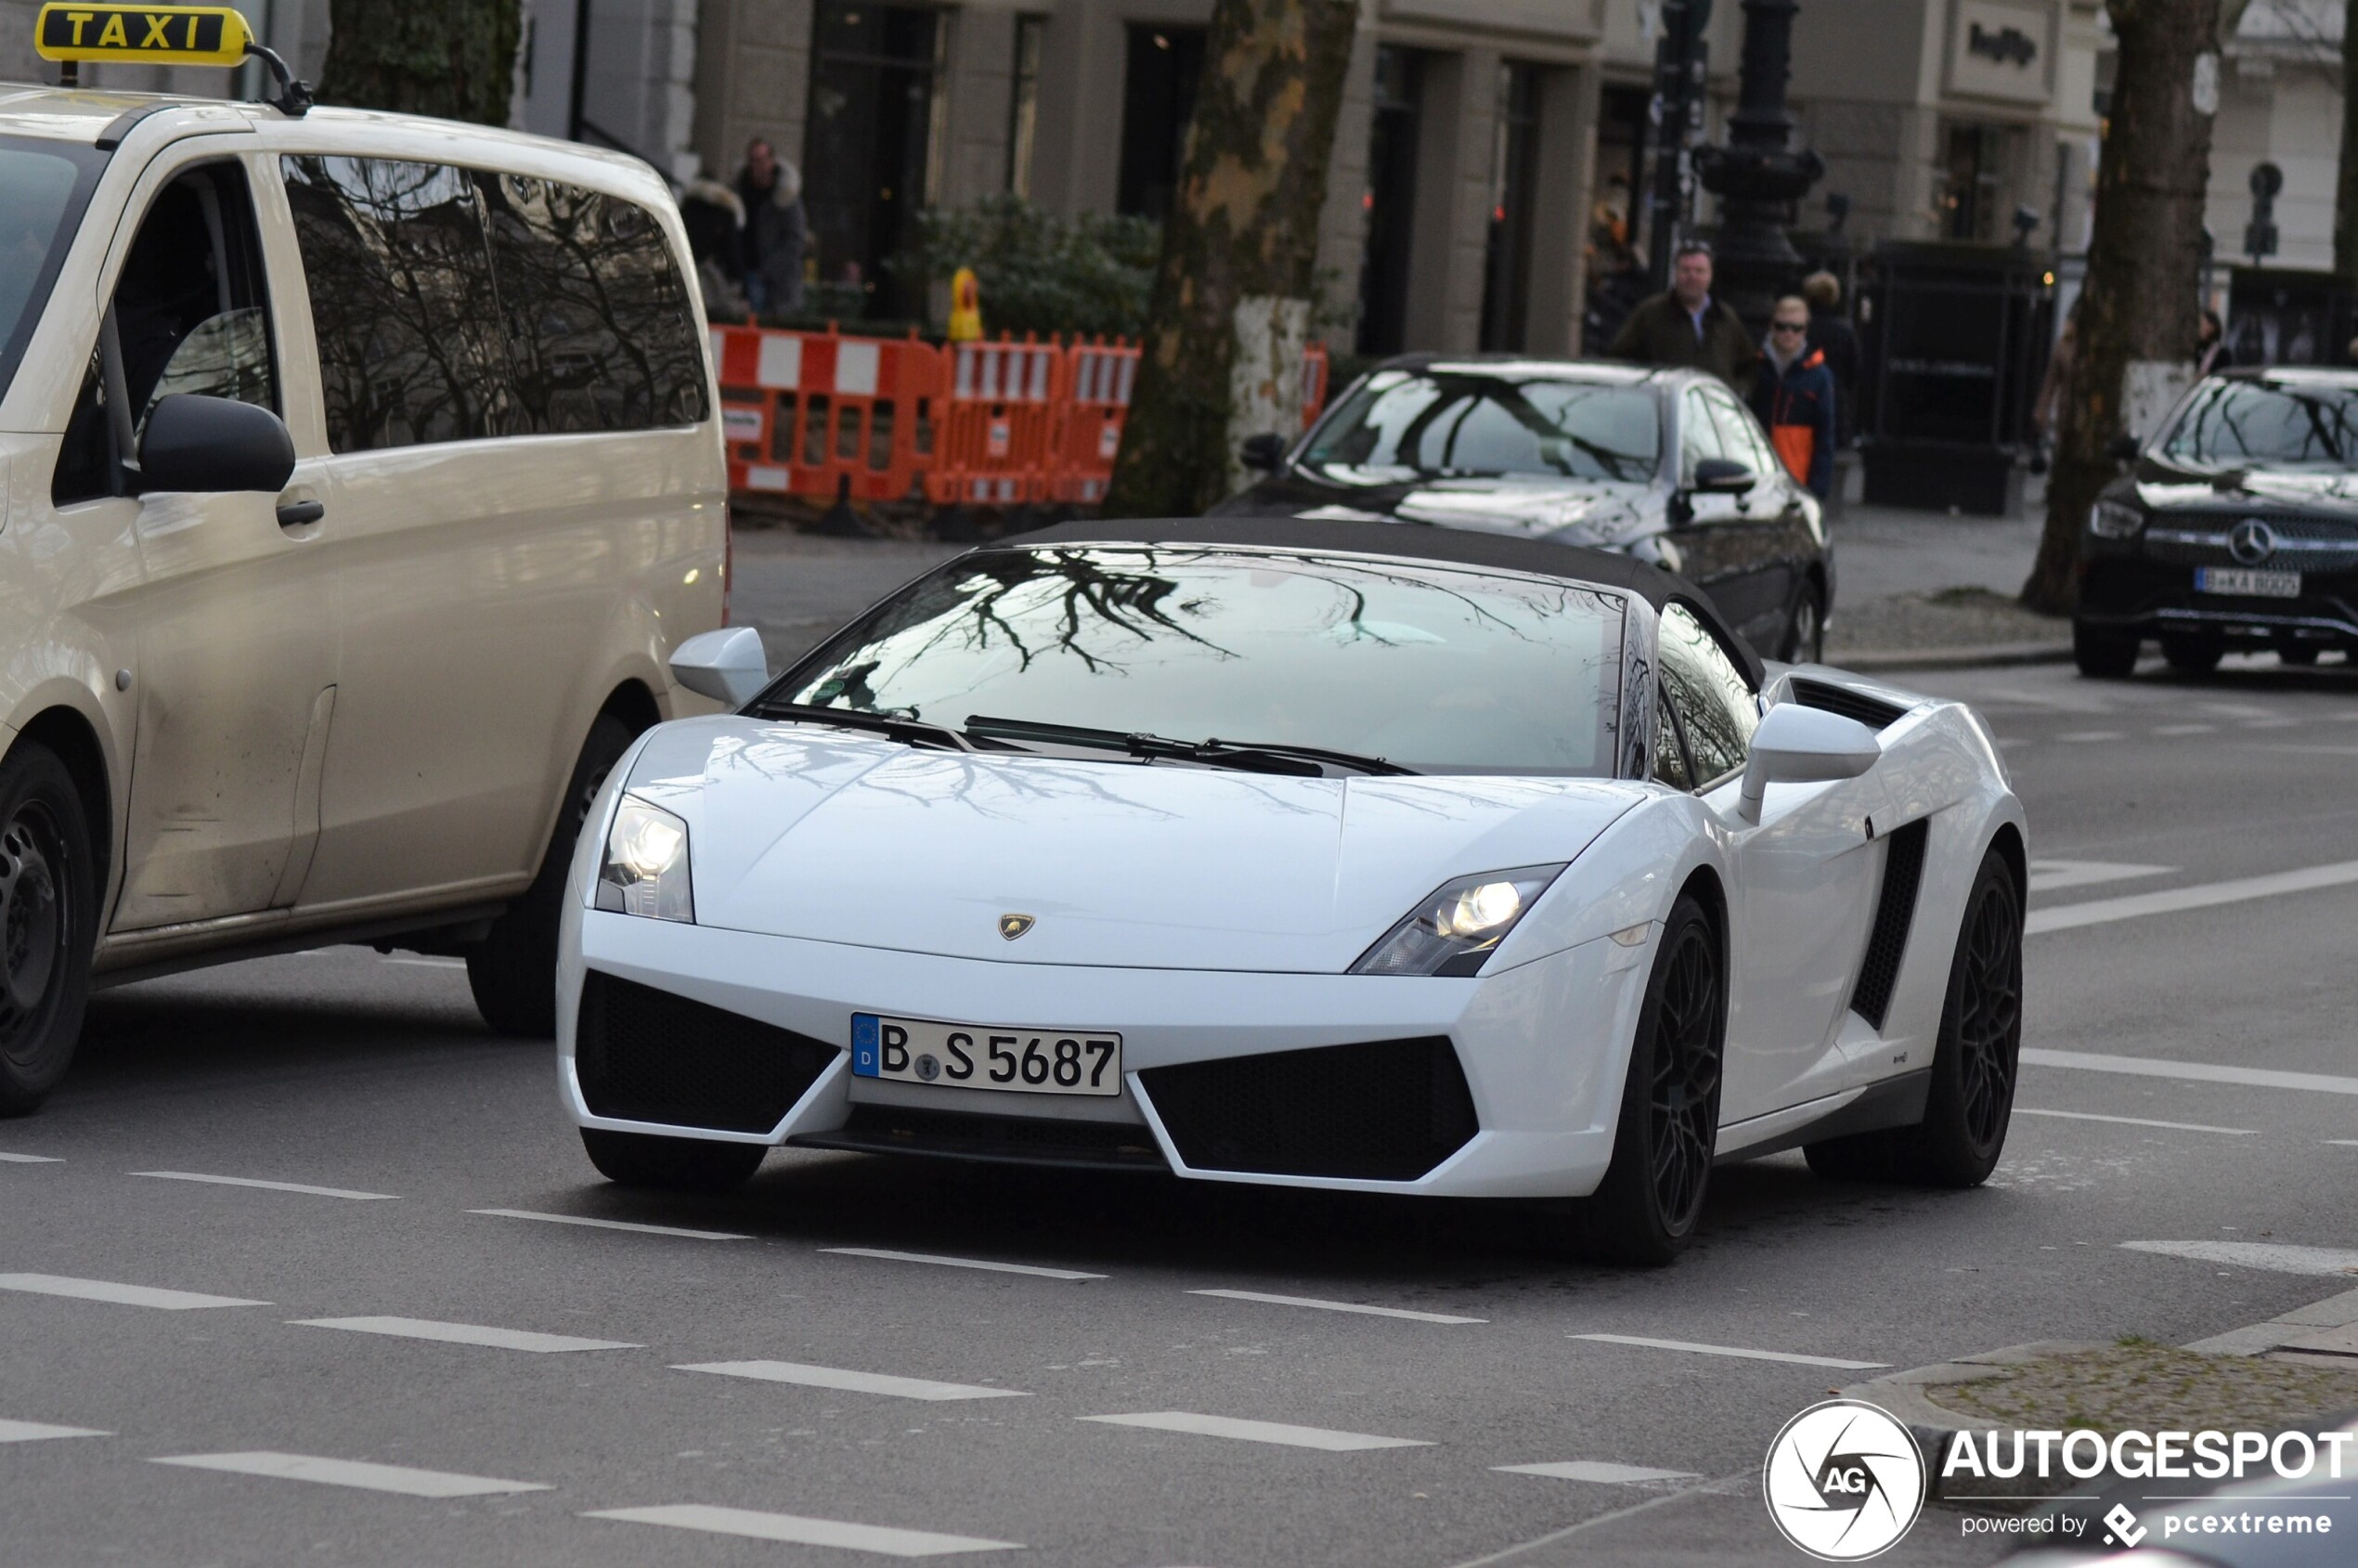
794,1529
1338,1306
2136,1122
1735,1350
353,1473
2091,736
121,1295
463,1334
2186,729
890,1256
851,1381
272,1187
1597,1471
2317,750
613,1224
35,1432
419,961
2046,876
2203,895
1256,1431
30,1159
2343,1143
2191,1072
2277,1257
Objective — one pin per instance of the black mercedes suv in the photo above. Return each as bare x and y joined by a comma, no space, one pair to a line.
2238,527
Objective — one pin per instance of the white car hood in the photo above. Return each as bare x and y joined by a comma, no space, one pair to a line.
805,831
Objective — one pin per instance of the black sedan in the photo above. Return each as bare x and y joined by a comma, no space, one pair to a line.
1667,466
2238,527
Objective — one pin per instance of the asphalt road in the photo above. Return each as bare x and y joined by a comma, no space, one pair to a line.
970,1404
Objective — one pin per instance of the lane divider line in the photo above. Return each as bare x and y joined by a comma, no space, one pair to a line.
851,1381
2277,1257
463,1334
613,1224
269,1186
352,1472
1338,1306
798,1530
1738,1351
2203,895
30,1159
1598,1470
38,1431
888,1255
1256,1431
120,1294
2191,1072
2136,1122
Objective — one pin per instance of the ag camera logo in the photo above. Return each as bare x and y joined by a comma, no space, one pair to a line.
1843,1481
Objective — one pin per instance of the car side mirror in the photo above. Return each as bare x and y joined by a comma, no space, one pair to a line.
1797,744
728,666
213,445
1721,476
2123,448
1263,452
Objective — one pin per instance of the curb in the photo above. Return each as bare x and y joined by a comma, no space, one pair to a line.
1902,1395
1868,661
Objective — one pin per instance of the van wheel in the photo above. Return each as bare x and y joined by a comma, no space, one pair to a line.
513,970
48,923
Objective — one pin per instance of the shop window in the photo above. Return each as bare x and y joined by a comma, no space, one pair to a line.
868,148
1390,202
1514,166
1023,108
1157,101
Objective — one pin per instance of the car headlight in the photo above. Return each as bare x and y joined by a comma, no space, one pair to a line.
1453,928
2115,520
645,869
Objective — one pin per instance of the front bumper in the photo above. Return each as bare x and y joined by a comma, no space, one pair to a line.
1542,1046
2132,589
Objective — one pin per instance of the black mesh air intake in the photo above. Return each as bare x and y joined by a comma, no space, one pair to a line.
1389,1110
644,1054
1903,867
1873,712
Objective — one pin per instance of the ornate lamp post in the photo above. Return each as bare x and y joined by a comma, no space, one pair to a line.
1759,175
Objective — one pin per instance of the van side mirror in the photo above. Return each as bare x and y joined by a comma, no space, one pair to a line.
1263,452
213,445
728,666
1797,744
1721,476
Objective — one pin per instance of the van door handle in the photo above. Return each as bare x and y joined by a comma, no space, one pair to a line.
294,514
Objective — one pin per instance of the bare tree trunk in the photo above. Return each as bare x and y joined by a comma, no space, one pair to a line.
1239,252
2138,317
455,59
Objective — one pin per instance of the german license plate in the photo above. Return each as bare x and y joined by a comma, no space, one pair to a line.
1026,1061
2248,583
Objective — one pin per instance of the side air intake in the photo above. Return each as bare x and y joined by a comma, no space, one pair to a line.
1903,868
644,1054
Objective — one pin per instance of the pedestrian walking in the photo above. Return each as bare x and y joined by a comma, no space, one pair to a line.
1686,328
1832,334
1795,397
776,230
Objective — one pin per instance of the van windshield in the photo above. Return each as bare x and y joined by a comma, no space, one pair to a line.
43,187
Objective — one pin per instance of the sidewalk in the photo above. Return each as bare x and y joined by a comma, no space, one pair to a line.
1921,588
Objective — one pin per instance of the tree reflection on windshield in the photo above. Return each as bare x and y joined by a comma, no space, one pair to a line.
1435,668
2242,423
1445,424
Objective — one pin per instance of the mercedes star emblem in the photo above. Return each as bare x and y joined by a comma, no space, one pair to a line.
2251,541
1014,925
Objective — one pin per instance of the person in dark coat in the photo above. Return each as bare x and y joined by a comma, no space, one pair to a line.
1832,334
1688,328
1795,397
776,230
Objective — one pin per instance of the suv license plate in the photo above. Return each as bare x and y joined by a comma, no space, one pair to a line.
2247,583
1025,1061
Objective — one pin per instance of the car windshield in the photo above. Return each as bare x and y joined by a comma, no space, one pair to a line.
1436,668
44,186
1468,423
2256,424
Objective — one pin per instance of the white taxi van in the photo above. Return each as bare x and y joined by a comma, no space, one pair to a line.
358,475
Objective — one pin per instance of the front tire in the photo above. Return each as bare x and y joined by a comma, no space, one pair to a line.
514,971
1975,1067
2101,654
1646,1209
48,923
1805,627
643,1160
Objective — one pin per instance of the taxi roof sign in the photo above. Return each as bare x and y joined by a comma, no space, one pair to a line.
153,34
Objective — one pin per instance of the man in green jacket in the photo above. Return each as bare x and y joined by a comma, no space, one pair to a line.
1686,328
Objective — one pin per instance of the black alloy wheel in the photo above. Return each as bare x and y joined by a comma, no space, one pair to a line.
1652,1199
2102,654
1969,1103
47,909
1805,628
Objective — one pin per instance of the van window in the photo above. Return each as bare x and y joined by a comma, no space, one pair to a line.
190,314
600,332
43,187
411,347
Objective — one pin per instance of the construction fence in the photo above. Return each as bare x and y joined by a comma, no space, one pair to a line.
829,417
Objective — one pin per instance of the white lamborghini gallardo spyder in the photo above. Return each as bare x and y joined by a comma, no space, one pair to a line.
1344,855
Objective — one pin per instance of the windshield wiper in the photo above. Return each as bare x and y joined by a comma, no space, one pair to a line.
910,731
1255,755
